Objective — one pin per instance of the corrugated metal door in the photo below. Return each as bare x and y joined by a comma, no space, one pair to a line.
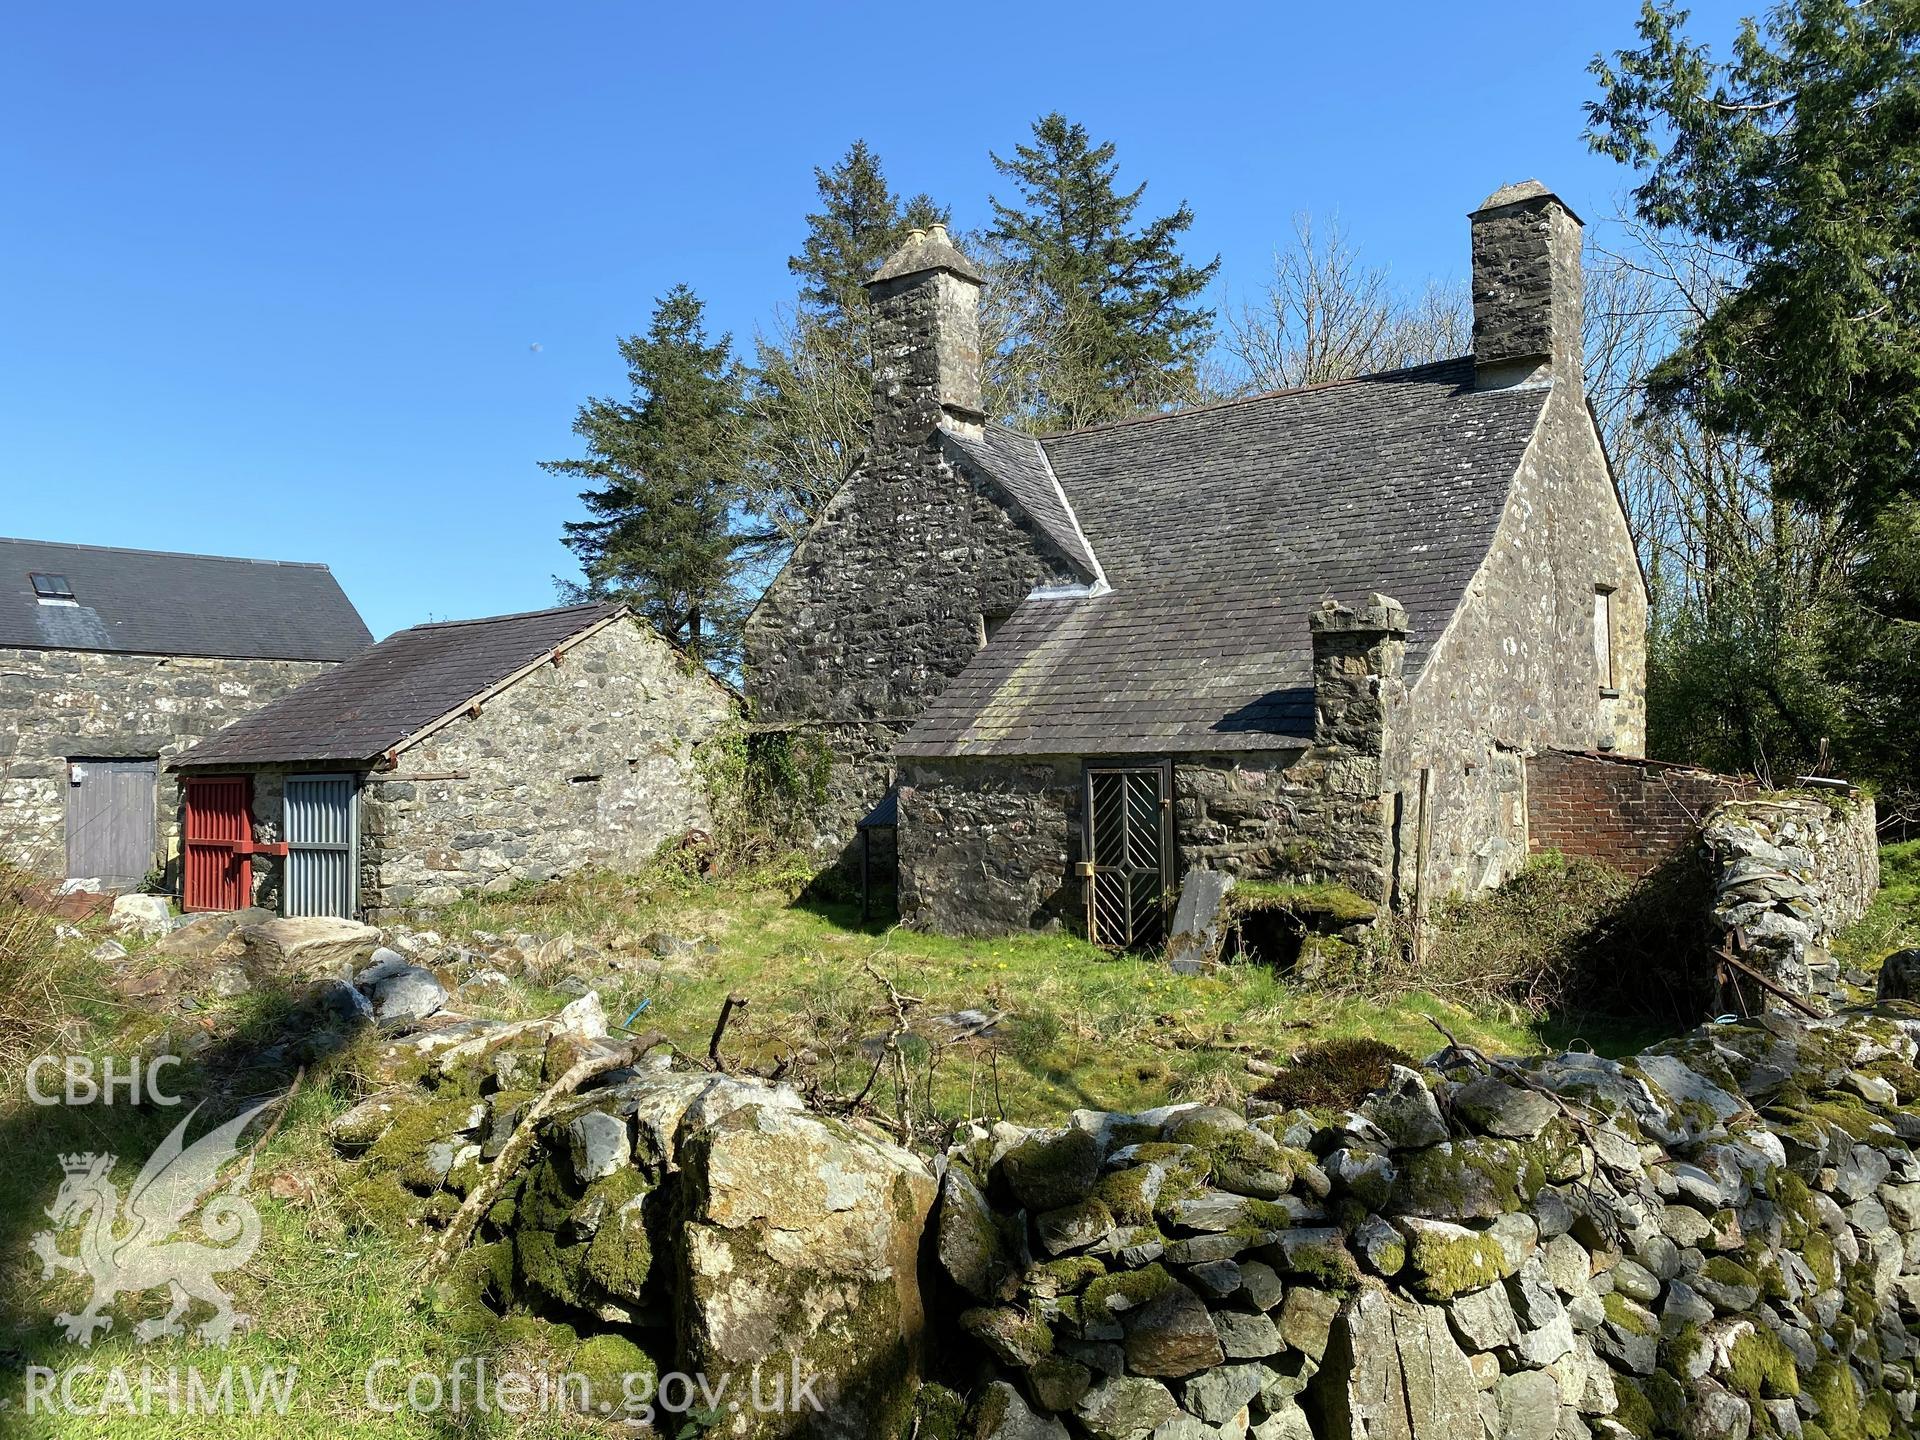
216,872
322,846
110,821
1129,849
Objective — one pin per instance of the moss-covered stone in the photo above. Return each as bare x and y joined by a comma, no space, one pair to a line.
620,1376
1627,1316
1052,1169
1014,1337
939,1413
1066,1276
1633,1409
619,1258
1449,1260
1125,1290
1474,1179
543,1264
1761,1367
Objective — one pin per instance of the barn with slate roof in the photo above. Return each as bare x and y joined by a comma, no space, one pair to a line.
114,661
466,755
1308,635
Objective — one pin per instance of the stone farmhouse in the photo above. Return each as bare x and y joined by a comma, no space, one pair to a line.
113,662
452,757
1308,635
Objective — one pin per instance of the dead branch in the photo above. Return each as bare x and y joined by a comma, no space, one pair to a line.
467,1219
734,1001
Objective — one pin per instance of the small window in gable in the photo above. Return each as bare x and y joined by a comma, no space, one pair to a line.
1603,638
52,589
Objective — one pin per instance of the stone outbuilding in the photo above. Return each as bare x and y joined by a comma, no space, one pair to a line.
1306,635
454,757
113,662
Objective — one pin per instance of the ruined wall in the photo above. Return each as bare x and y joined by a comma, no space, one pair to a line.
1517,669
665,1223
1789,872
60,704
1633,814
1719,1237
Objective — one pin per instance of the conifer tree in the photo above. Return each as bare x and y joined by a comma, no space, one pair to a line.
860,222
665,471
1113,317
810,391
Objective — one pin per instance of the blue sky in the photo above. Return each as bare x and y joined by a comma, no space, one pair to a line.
324,282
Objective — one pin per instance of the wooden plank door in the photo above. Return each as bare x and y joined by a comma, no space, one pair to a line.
110,821
216,867
1129,850
323,850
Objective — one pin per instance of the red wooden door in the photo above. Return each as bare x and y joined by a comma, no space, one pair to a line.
216,872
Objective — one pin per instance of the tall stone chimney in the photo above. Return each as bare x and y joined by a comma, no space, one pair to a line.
926,342
1526,289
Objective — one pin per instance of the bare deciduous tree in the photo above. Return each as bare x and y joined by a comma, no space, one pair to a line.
1327,315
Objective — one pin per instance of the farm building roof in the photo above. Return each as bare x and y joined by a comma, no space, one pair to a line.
155,602
358,711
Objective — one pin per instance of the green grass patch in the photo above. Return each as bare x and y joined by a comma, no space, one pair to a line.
1892,922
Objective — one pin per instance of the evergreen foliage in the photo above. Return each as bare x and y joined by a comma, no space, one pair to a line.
1787,175
810,391
665,473
1113,320
1800,160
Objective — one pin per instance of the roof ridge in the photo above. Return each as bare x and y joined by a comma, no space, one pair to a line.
164,554
599,607
1233,400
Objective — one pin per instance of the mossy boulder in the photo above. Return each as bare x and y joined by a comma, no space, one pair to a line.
801,1246
1475,1179
1052,1169
621,1378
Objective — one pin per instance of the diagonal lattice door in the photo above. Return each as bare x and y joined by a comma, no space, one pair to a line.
1128,845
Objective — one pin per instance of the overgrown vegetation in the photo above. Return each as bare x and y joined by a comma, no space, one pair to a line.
764,788
1892,922
1334,1073
45,977
1072,1024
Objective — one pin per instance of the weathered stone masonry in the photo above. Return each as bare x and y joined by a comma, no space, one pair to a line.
889,597
591,761
59,705
994,842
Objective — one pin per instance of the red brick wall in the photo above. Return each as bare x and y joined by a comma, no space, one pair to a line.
1631,813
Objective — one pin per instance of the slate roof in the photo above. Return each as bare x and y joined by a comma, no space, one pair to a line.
358,711
1219,529
154,602
1019,465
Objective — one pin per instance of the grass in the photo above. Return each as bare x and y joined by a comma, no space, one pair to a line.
331,1289
1892,922
1082,1027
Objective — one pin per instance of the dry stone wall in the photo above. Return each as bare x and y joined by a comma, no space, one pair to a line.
1790,873
669,1222
1719,1237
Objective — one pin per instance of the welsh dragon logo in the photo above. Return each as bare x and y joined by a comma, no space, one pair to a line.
133,1250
